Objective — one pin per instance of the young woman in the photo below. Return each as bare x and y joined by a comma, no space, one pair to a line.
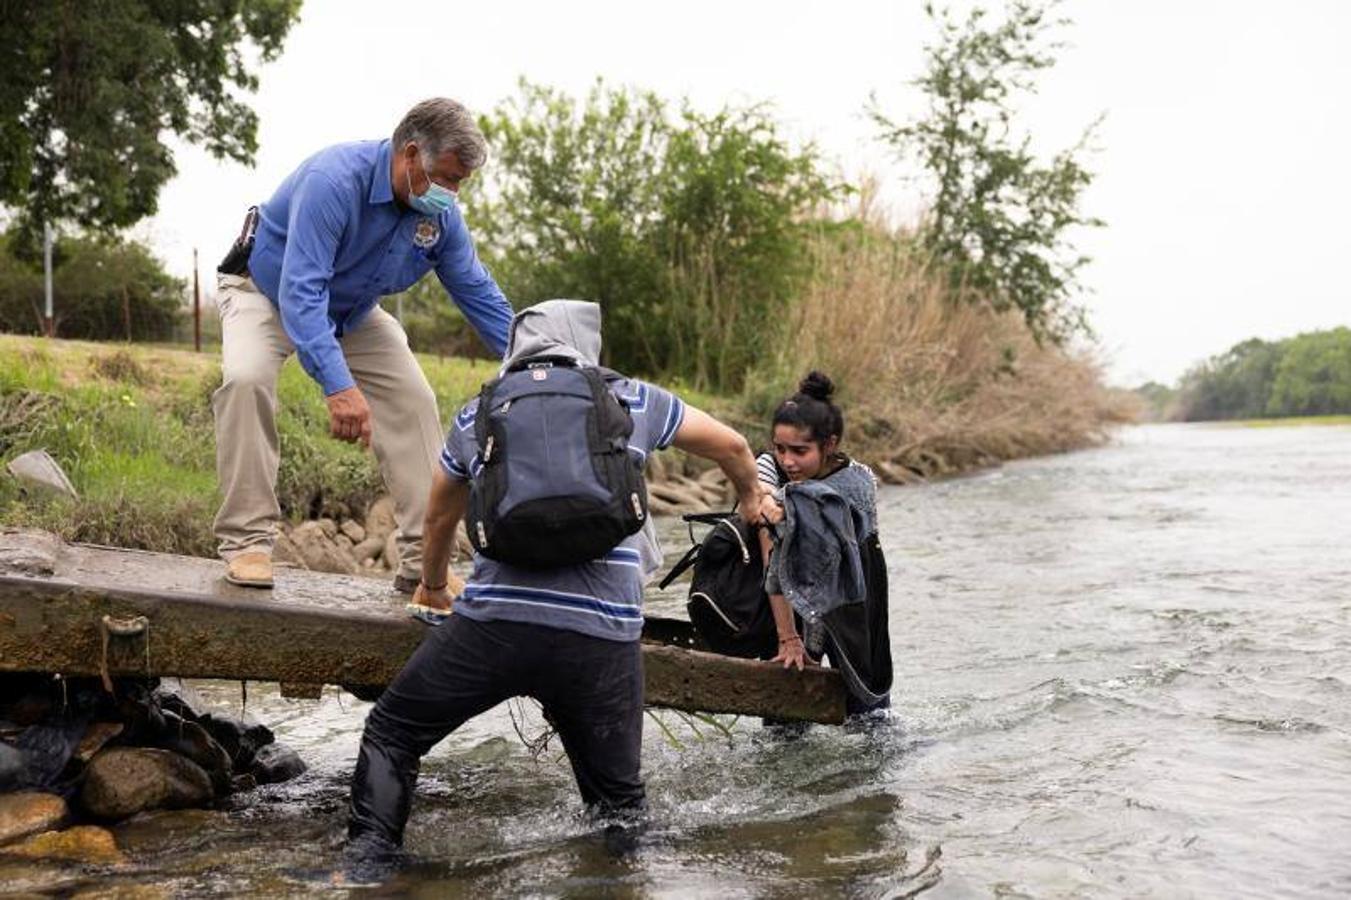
805,447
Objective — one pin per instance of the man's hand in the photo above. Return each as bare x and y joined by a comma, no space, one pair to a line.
770,512
349,418
441,599
750,506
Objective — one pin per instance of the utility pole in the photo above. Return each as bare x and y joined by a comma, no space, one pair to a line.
48,324
196,306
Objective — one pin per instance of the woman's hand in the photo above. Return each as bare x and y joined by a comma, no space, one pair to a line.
793,653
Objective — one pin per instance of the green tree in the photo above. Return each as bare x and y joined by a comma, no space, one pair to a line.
688,228
999,217
105,288
89,92
1313,376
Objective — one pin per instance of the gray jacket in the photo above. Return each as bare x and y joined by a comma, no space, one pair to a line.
817,565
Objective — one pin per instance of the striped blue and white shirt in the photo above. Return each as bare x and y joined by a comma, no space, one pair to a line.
602,598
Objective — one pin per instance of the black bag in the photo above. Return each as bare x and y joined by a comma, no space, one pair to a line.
727,602
236,262
558,485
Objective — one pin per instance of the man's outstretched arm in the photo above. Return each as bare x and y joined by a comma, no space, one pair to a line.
701,434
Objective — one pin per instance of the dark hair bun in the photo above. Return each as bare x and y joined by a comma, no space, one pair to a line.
817,386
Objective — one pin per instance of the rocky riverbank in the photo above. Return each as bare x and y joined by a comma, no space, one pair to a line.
365,544
76,757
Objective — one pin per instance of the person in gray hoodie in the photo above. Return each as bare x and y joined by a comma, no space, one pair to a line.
566,636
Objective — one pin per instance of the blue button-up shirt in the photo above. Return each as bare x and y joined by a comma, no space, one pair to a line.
333,240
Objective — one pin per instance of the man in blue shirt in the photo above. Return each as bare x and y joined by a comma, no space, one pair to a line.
567,636
353,223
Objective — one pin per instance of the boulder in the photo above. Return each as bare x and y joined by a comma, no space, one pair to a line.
369,549
344,544
95,736
391,555
123,781
285,551
276,763
12,766
329,527
191,740
318,552
83,844
30,812
355,533
37,469
240,739
380,520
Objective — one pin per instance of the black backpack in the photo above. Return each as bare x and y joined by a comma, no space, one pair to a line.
558,485
727,603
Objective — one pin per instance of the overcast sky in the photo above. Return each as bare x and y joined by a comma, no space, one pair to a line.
1222,165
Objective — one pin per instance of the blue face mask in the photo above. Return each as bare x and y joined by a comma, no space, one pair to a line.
435,201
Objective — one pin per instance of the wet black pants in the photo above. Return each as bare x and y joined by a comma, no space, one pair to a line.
591,690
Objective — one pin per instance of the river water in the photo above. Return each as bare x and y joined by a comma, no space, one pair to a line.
1124,672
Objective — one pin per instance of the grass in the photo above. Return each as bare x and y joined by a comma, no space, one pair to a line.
132,427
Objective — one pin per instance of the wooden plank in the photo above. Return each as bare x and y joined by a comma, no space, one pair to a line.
313,628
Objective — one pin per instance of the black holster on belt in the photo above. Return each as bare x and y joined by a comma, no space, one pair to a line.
236,262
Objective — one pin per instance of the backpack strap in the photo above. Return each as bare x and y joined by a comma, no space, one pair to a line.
485,402
680,567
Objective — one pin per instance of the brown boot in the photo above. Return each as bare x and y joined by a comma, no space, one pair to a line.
251,569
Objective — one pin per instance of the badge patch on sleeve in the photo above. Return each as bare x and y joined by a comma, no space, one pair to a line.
426,233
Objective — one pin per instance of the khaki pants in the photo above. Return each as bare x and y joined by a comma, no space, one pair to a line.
406,428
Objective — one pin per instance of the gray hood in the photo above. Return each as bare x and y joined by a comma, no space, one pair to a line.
555,328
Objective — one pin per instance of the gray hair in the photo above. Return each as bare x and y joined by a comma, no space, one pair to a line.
439,126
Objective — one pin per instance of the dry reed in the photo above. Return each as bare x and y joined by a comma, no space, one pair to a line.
932,383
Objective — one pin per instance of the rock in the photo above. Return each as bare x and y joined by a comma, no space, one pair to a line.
344,543
95,736
355,533
329,527
191,740
36,468
12,766
241,783
368,549
380,520
123,781
659,507
680,494
276,763
285,551
656,467
240,739
83,843
30,812
712,477
28,552
318,552
391,555
368,564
